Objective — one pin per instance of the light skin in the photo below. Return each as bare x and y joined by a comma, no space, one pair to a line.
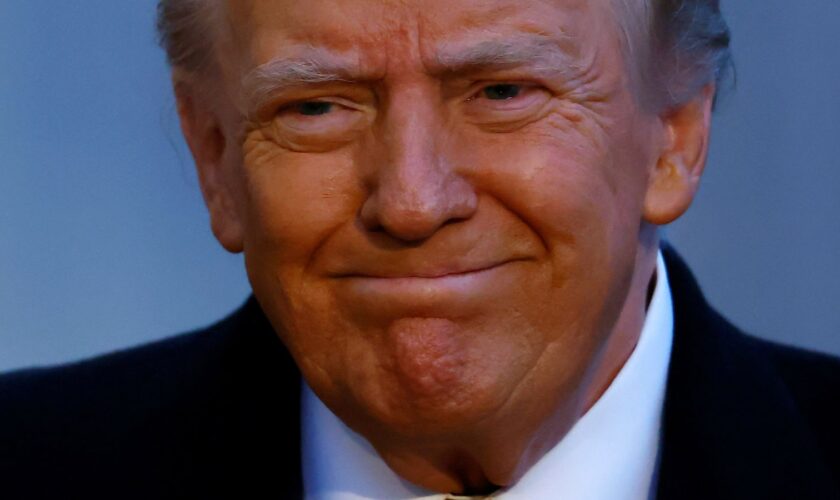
448,212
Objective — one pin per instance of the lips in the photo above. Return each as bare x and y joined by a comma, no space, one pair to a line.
431,272
454,291
439,289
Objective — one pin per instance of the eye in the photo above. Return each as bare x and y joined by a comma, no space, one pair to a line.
506,95
311,108
501,92
319,123
503,105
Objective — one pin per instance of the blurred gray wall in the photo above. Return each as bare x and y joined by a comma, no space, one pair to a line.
104,240
764,233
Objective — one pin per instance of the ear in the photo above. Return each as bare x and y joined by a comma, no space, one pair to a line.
205,137
676,176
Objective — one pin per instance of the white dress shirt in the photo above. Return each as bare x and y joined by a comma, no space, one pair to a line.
609,454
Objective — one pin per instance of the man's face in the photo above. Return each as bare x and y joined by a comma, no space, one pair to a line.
439,201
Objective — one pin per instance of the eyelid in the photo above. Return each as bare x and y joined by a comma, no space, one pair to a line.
328,130
352,101
507,115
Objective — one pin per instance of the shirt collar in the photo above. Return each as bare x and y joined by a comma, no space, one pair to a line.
610,452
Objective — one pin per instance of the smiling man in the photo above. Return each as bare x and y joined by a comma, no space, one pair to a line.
449,214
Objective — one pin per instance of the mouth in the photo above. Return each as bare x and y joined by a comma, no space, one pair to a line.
439,290
428,274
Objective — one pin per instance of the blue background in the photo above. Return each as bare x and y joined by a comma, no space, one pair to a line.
105,242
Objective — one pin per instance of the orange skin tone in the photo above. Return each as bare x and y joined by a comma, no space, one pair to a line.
458,261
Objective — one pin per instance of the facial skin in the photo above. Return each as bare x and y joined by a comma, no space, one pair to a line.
448,212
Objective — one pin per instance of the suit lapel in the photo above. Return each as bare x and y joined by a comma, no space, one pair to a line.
257,412
730,427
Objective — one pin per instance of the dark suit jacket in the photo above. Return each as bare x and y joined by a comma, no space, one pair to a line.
215,414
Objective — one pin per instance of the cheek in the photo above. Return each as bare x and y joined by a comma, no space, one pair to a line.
579,187
294,202
559,177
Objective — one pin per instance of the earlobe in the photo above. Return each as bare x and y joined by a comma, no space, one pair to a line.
202,130
676,175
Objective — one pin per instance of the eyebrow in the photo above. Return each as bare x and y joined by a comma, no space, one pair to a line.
314,66
540,53
545,55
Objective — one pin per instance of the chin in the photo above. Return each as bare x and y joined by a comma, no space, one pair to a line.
437,404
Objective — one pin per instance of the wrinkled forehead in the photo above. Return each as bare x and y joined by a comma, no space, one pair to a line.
380,33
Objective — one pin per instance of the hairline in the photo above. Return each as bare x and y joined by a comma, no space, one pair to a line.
633,20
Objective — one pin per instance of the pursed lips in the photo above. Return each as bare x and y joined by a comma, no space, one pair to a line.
446,291
426,274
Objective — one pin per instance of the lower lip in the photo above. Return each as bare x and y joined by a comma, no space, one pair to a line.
420,290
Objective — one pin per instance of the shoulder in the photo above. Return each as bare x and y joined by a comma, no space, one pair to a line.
809,378
99,404
805,386
812,382
154,418
810,375
744,417
122,379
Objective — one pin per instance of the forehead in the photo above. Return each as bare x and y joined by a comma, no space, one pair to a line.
384,31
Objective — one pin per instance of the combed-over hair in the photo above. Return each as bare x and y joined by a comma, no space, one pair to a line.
691,45
686,47
186,33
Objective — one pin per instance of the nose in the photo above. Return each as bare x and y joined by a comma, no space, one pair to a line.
416,189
